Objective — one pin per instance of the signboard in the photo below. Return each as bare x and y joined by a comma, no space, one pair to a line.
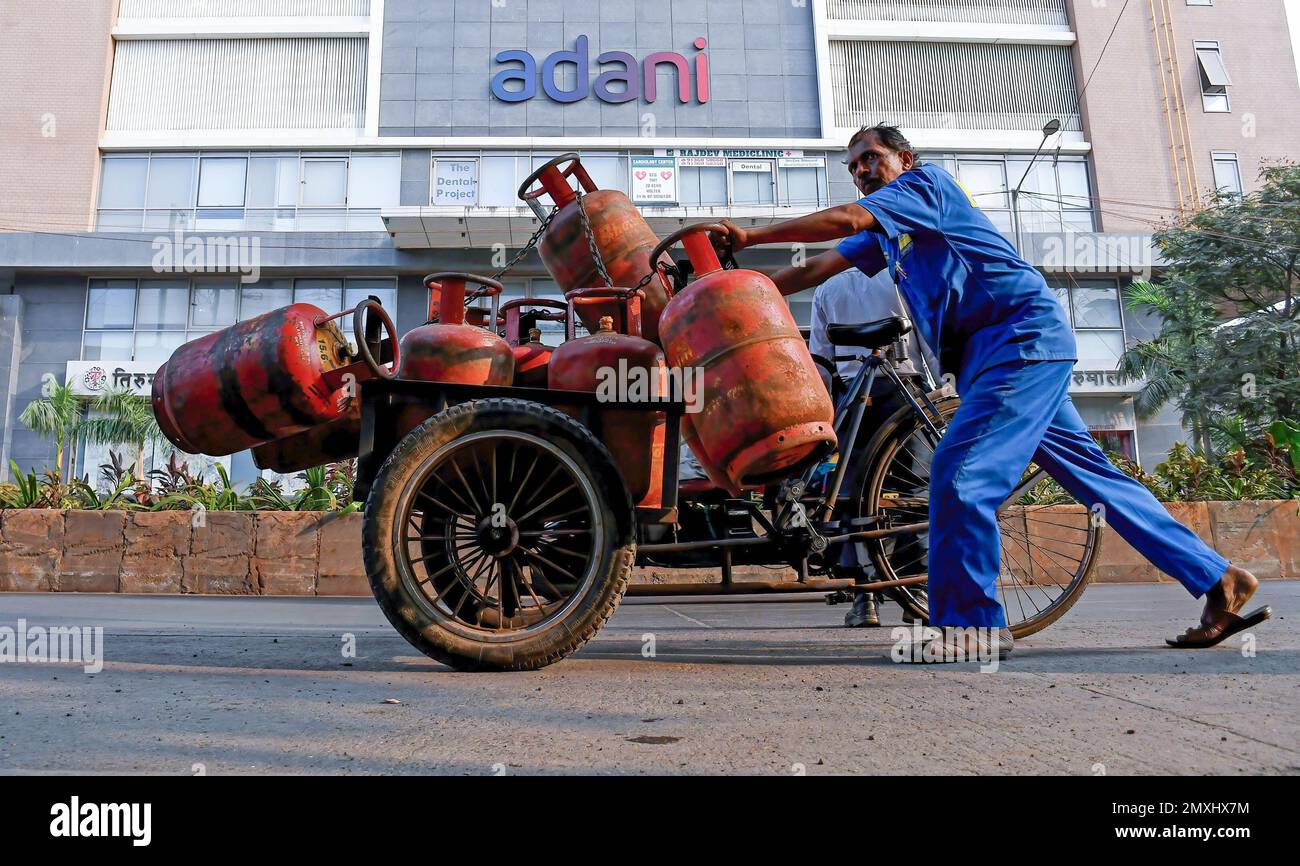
654,180
1103,382
741,165
802,162
702,162
92,378
455,182
730,152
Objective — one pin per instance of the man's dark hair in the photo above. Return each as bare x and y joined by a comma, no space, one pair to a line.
890,136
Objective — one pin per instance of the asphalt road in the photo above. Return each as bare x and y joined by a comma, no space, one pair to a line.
242,685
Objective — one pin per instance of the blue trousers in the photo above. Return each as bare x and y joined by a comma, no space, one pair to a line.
1011,415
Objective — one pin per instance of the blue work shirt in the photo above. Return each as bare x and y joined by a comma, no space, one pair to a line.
977,302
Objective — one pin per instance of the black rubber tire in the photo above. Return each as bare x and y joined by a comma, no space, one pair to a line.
418,621
900,427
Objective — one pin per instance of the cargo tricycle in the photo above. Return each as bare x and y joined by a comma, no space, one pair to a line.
501,529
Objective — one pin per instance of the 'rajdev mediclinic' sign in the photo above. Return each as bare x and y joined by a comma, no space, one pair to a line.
654,180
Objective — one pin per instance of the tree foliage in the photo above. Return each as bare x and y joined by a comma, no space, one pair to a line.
1228,353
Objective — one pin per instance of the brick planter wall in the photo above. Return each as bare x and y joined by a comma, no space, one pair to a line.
286,553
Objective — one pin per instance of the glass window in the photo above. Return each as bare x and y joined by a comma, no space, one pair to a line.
273,182
281,220
1214,76
118,221
375,181
1099,350
168,220
214,304
222,181
220,219
107,346
326,294
1227,174
702,186
751,182
322,220
324,182
1096,306
357,291
607,172
263,297
802,186
111,304
163,304
1075,192
455,182
985,181
499,179
155,347
123,182
171,183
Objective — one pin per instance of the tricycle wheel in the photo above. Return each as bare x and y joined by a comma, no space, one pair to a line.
499,536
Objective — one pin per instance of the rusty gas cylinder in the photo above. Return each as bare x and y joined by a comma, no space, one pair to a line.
339,439
450,350
617,363
250,383
621,234
766,415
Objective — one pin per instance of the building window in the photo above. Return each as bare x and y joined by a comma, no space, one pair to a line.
752,182
455,183
802,182
1214,76
1055,195
1227,174
146,320
702,185
986,182
1115,442
251,192
1097,318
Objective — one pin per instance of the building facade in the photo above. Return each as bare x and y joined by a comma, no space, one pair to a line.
330,150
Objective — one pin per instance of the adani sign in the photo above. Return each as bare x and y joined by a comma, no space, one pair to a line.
632,77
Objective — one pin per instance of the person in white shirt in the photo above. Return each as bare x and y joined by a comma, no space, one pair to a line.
849,298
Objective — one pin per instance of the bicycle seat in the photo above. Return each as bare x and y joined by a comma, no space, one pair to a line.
871,335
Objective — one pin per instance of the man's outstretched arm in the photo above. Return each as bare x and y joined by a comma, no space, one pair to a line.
831,224
813,272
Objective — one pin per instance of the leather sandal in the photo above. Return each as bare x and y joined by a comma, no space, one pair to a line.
1224,626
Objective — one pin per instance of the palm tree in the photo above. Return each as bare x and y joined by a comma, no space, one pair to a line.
121,418
55,416
1171,365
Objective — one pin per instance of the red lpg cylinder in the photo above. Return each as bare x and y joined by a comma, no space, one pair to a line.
450,350
622,235
766,415
252,382
615,355
339,439
532,358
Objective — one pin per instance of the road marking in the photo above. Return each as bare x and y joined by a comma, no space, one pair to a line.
688,618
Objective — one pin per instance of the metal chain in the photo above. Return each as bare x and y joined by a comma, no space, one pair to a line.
591,242
519,256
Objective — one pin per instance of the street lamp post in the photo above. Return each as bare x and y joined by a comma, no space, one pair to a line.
1052,127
